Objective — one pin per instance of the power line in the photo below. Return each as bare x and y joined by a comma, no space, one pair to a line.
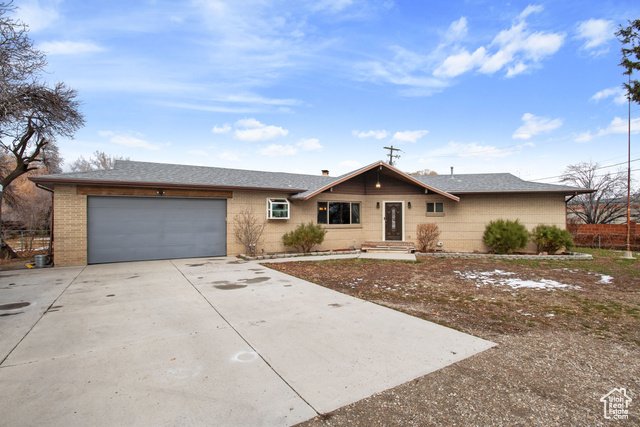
601,167
599,176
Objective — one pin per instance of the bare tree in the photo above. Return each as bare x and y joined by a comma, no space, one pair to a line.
34,211
603,206
98,161
248,229
424,172
32,114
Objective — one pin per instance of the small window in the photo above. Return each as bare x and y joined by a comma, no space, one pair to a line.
435,208
277,209
322,212
338,213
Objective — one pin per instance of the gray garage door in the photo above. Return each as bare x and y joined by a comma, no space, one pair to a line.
148,228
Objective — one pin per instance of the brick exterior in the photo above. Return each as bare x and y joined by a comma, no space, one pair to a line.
461,225
70,226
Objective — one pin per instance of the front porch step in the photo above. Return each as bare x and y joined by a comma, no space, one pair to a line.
405,247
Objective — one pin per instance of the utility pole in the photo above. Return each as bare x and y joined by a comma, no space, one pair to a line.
391,155
628,254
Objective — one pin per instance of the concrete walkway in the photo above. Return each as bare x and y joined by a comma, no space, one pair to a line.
214,341
395,256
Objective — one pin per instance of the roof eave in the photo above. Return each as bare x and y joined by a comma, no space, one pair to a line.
49,183
565,192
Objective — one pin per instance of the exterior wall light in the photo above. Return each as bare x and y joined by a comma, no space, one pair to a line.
377,205
409,205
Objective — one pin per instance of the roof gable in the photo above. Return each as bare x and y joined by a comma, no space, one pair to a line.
383,168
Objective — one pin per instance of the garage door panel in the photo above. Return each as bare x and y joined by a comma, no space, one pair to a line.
146,228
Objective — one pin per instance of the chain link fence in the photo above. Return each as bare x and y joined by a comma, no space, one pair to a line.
27,240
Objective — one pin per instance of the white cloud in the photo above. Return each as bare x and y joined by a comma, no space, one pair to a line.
534,125
618,94
279,150
407,69
516,49
461,62
377,134
596,34
256,132
69,48
584,137
249,123
128,140
456,31
311,144
351,164
229,156
409,135
617,126
532,8
256,99
36,16
333,6
471,150
225,128
199,153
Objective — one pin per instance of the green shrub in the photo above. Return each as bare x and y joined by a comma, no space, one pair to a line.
505,236
551,239
304,237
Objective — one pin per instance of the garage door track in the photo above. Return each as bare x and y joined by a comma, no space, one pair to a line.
210,341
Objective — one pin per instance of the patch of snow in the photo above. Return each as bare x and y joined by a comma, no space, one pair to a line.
604,279
499,278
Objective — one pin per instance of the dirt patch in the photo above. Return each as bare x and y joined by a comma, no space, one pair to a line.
567,333
26,257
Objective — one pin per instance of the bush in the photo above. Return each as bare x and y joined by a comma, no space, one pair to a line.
248,229
304,237
551,239
427,235
505,236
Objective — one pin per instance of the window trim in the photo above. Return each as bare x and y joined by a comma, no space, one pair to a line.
280,201
350,224
435,212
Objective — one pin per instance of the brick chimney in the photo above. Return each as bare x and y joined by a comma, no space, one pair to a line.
325,172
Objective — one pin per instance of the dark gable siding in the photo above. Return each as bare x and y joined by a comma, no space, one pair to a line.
366,184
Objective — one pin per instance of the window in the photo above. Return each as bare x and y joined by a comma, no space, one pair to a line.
338,213
435,208
277,209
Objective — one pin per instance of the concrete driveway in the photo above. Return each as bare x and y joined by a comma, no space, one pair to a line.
212,341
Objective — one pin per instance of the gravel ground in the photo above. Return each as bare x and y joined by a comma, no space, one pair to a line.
546,370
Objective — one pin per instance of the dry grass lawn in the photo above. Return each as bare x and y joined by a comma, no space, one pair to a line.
567,333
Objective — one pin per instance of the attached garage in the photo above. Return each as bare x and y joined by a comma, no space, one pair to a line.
126,228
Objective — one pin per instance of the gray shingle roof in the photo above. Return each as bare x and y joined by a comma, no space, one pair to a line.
131,173
491,183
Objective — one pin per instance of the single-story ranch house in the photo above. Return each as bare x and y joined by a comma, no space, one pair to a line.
147,211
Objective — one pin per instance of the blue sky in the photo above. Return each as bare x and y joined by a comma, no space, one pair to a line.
300,86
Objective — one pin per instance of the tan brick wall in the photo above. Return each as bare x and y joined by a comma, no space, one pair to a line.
462,224
70,226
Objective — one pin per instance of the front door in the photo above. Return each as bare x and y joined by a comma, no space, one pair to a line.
393,221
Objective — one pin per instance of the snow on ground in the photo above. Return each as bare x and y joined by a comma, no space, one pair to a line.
604,279
505,278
